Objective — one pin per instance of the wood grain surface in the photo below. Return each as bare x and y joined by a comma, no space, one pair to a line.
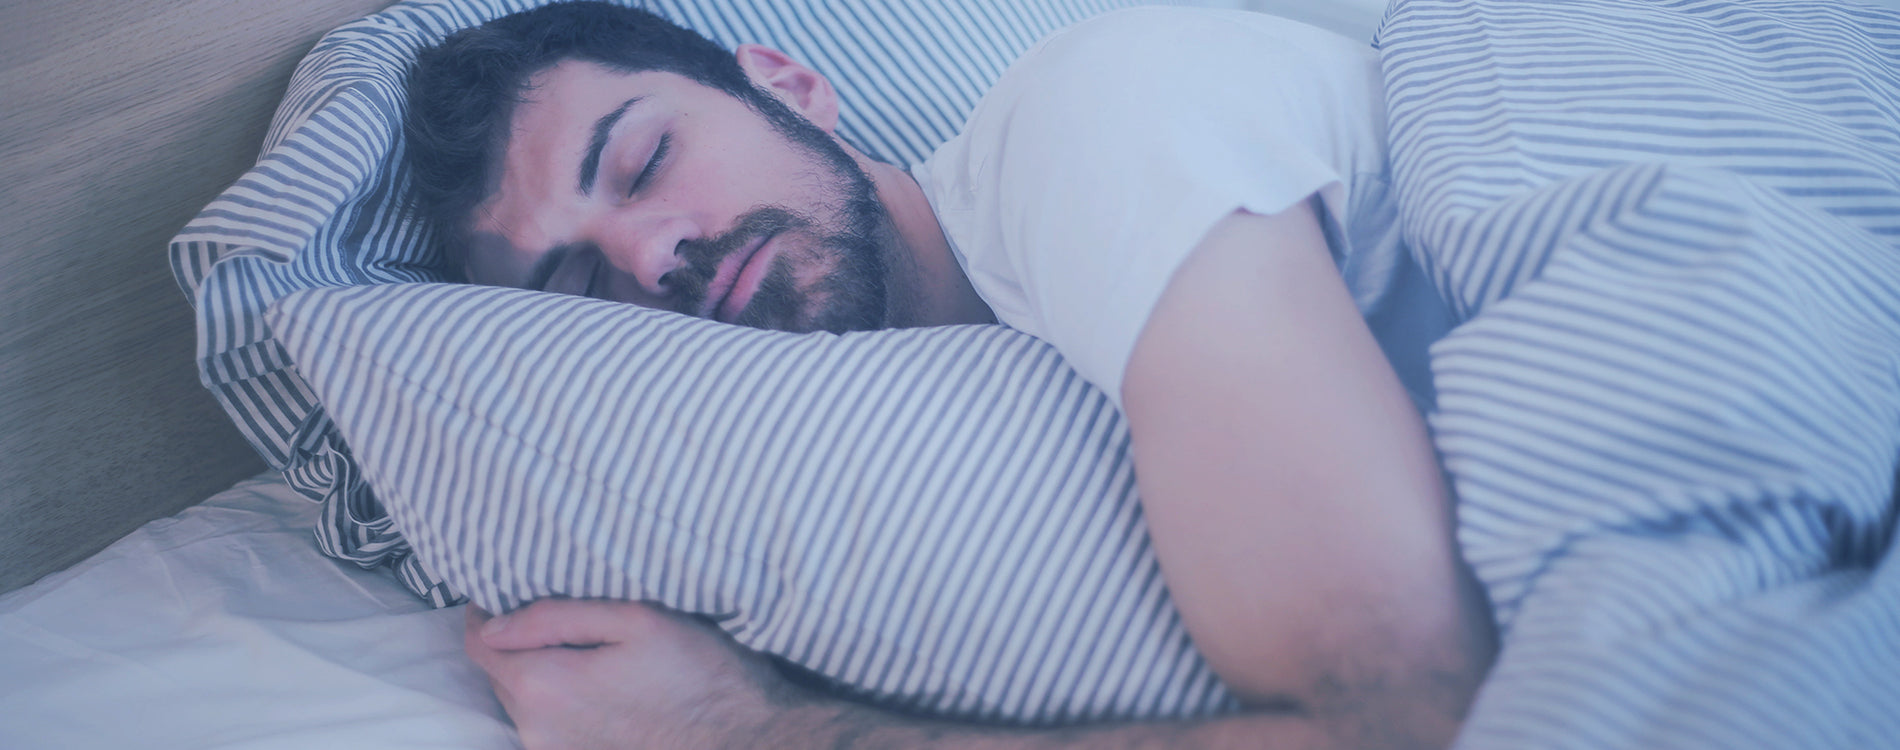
119,119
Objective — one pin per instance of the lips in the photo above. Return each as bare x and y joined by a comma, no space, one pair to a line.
751,274
726,276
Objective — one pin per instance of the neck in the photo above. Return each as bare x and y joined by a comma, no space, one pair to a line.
926,285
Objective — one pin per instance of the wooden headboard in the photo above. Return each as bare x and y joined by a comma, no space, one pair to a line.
119,119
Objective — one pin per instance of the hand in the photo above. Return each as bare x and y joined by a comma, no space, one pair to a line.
579,674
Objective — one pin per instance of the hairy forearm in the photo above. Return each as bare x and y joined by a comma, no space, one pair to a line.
843,726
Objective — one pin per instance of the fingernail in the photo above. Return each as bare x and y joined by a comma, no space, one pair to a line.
495,626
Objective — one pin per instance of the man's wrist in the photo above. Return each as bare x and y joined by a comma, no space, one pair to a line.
842,725
824,724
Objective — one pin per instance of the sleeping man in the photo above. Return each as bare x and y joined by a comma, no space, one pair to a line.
1189,206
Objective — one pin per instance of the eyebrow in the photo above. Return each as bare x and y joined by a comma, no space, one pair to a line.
590,164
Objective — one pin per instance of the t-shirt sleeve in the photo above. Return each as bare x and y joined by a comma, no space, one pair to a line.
1102,159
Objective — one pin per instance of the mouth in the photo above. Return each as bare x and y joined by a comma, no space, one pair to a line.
726,278
751,274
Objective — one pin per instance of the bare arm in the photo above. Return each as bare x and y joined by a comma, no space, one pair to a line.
1297,508
606,675
1293,495
860,728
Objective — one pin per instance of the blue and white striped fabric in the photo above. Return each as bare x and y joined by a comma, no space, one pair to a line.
1672,414
940,519
323,205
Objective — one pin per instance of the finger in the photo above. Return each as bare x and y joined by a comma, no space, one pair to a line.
568,622
473,617
511,672
479,652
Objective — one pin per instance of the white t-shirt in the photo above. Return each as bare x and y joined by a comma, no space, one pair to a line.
1102,157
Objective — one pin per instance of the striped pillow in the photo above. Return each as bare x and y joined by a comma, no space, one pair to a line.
941,519
321,208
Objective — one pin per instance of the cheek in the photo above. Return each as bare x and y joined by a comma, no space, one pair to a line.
489,267
760,169
811,262
623,288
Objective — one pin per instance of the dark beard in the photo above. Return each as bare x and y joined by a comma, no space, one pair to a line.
852,293
852,296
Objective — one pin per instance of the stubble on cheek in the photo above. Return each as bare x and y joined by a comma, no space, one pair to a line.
778,304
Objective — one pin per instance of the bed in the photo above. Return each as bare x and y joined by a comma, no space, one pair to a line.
212,620
150,606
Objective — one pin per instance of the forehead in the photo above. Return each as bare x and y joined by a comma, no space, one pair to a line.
578,88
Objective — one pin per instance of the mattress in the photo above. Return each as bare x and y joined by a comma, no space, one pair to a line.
224,627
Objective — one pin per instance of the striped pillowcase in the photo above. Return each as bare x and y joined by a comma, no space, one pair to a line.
322,207
1672,409
939,519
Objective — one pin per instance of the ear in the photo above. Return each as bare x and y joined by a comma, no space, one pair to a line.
801,88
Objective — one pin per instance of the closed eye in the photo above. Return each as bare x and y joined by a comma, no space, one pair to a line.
653,164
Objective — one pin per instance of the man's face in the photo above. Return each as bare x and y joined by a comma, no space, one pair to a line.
653,189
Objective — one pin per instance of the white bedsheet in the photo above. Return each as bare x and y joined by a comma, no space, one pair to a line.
223,627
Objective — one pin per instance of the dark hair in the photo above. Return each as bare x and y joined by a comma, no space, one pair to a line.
463,92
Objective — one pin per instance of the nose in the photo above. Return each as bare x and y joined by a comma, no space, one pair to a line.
645,246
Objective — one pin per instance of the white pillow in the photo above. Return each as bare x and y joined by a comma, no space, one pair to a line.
943,519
